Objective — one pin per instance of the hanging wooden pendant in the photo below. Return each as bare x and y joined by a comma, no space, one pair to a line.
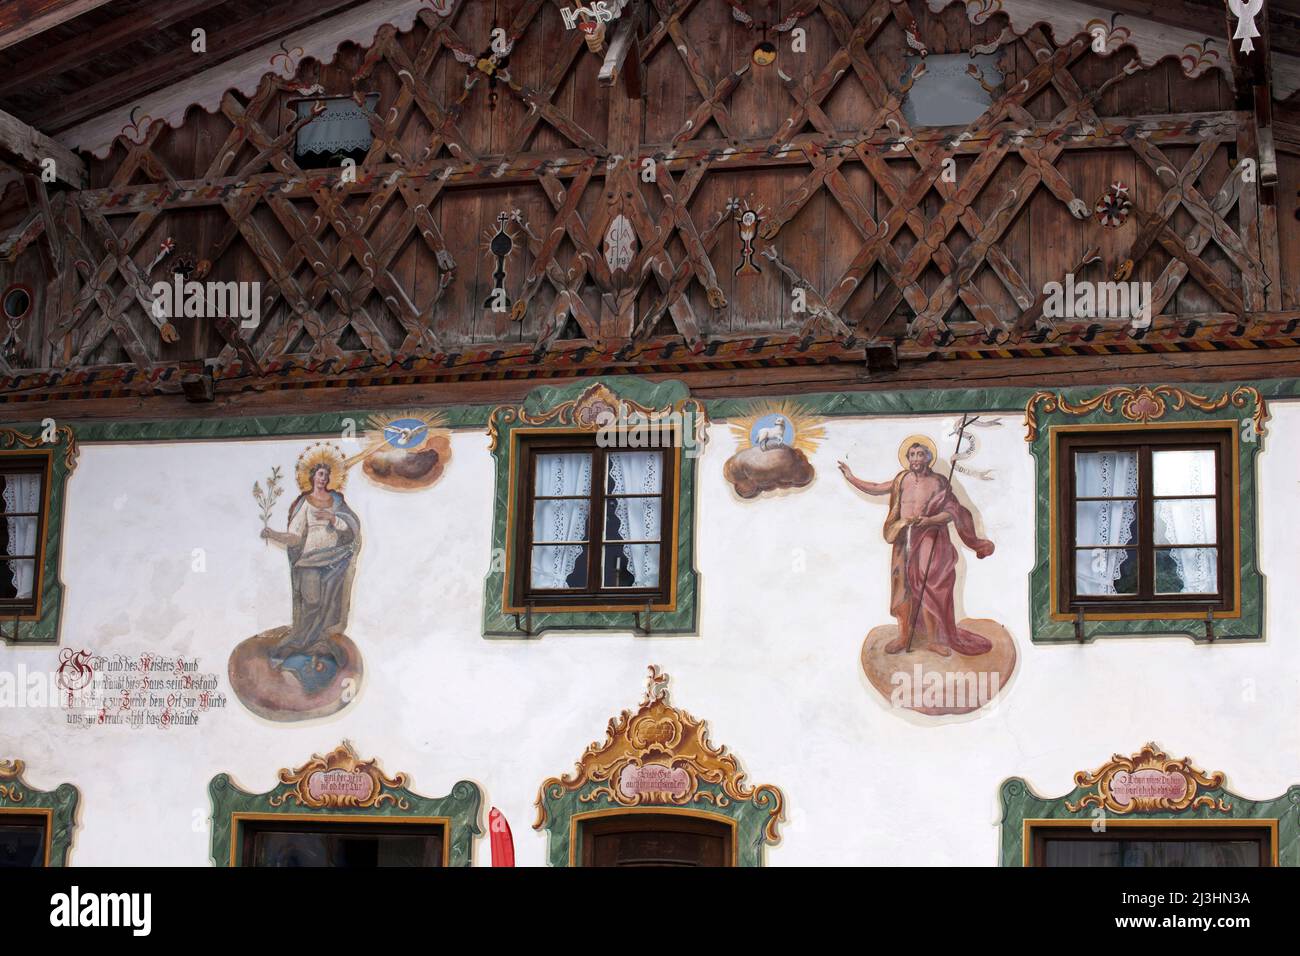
593,31
1113,207
500,245
747,223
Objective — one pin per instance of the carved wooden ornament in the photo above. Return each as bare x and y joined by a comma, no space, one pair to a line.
1149,781
660,755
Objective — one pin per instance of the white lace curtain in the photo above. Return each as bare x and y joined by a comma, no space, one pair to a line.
1188,520
1104,524
22,494
1103,527
343,126
563,521
639,473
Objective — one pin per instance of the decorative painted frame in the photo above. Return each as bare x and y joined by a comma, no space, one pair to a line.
42,625
326,789
1240,408
58,806
1108,793
687,775
582,408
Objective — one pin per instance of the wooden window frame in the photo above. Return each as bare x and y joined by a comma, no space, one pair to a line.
30,609
627,821
1144,442
1179,831
596,597
42,818
248,826
303,160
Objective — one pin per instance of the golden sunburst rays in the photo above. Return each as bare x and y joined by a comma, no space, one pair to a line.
787,421
408,431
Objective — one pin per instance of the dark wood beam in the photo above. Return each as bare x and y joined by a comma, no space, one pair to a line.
26,148
77,51
23,19
175,67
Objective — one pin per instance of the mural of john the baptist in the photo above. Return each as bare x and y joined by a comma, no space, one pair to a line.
923,566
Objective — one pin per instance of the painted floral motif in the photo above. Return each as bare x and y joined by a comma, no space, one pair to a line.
1113,207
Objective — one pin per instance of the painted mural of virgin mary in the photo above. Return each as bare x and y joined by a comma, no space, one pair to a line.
309,668
322,540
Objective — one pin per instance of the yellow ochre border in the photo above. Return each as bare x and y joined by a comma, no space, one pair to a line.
512,510
1264,823
1053,506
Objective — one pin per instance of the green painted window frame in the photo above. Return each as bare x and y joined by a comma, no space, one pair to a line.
1238,408
458,812
574,408
1022,808
58,806
41,626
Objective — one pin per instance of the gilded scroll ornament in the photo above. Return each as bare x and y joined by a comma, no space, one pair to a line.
11,770
341,779
1145,404
10,438
660,755
1149,781
596,408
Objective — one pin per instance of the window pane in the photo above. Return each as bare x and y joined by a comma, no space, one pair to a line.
1106,474
1105,571
631,566
361,850
17,580
1189,472
21,845
567,474
559,566
21,537
633,519
635,472
556,521
1105,523
1187,521
1187,570
1164,853
22,493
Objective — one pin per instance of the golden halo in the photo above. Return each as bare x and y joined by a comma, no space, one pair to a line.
322,453
911,440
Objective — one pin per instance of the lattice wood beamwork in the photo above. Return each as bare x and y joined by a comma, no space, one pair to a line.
734,214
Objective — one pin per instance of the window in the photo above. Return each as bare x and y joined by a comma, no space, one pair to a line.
23,482
596,523
1146,521
956,89
657,839
594,510
344,845
24,840
1182,845
341,131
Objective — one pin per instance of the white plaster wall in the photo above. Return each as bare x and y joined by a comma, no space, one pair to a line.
789,587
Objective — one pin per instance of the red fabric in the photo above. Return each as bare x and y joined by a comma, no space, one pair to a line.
924,571
503,843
